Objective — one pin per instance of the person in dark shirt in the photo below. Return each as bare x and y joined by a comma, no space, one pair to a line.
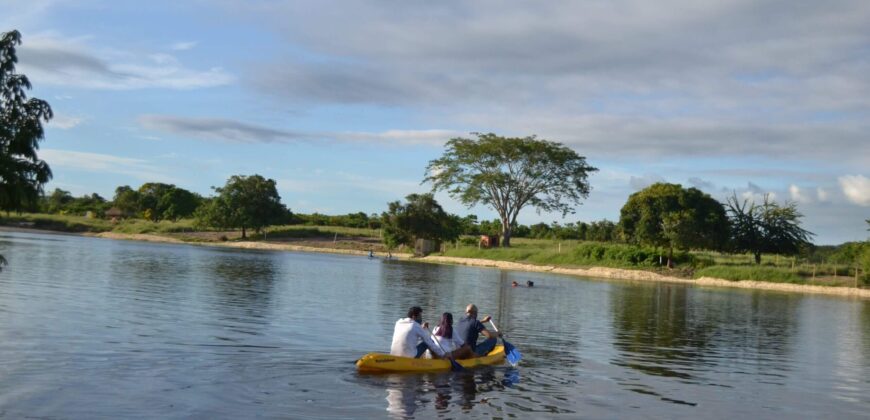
469,328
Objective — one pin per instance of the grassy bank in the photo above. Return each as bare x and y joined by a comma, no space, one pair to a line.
690,265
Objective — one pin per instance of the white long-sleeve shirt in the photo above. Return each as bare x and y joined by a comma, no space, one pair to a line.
406,335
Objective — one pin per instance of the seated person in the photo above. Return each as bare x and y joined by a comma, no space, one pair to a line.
450,342
408,333
469,328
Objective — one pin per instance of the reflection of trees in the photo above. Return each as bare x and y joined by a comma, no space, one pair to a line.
672,331
654,332
244,281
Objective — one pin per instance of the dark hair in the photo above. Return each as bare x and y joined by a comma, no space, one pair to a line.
445,328
415,311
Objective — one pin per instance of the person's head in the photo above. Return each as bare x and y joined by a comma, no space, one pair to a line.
415,313
471,310
445,327
514,284
530,284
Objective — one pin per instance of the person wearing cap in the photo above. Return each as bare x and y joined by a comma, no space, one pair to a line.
469,329
410,339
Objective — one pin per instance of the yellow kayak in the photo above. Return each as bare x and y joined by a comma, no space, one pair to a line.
384,363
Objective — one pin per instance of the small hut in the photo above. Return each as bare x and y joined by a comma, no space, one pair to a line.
424,247
114,214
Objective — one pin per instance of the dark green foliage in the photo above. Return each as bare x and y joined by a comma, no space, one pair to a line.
244,202
670,216
766,228
22,173
421,217
354,220
127,200
158,201
509,173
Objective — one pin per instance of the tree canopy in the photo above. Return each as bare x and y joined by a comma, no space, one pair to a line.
766,228
244,202
420,217
670,216
22,173
510,173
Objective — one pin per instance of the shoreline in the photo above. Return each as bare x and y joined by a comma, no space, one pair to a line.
587,273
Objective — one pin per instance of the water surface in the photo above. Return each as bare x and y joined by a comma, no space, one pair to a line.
94,328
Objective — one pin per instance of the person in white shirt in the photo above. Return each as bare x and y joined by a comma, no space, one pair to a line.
449,340
408,333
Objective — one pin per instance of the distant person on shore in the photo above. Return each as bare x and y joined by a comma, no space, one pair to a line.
371,253
469,329
410,339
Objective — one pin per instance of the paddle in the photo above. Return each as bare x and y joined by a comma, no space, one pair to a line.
454,365
511,353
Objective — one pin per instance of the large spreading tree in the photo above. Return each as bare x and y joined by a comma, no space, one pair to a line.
245,202
766,228
22,173
510,173
672,217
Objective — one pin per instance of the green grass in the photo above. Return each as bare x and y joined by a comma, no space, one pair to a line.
306,231
758,273
56,222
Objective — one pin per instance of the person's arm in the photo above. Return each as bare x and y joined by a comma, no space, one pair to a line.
427,338
487,333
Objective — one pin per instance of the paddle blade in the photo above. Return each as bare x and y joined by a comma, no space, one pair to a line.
511,353
455,366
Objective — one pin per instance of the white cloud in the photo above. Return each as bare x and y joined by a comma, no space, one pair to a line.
184,45
410,137
856,188
822,194
797,195
80,63
103,164
64,122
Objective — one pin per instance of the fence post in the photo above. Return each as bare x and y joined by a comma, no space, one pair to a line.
856,277
560,247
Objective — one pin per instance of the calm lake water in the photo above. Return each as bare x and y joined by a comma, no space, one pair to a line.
94,328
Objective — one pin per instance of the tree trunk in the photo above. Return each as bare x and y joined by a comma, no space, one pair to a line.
243,233
505,236
757,258
671,257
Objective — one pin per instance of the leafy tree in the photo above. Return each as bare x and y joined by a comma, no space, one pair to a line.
244,202
510,173
127,200
766,228
22,173
58,200
420,217
159,201
601,231
670,216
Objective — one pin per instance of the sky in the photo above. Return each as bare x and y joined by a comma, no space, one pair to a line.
344,103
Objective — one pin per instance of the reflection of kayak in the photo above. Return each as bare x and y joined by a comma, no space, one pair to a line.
382,363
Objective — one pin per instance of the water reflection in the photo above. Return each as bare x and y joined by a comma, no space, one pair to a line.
408,394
